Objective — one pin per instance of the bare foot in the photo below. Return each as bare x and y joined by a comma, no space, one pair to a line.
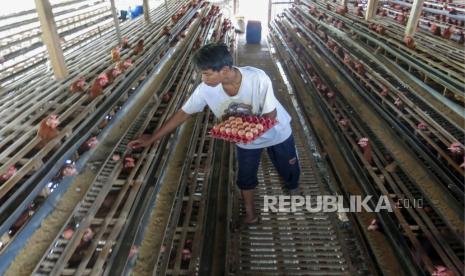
251,220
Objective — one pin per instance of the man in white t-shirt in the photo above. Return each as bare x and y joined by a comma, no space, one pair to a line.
231,91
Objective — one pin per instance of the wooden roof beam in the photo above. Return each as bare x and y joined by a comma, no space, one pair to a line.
115,20
372,5
414,17
51,39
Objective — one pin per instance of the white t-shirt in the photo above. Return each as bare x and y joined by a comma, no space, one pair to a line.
255,96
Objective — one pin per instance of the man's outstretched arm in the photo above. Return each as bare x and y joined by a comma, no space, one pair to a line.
173,122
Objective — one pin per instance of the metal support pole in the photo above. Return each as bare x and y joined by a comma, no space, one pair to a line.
414,17
51,39
270,3
116,20
145,4
371,9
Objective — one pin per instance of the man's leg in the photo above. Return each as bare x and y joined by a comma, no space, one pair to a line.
248,160
250,215
284,158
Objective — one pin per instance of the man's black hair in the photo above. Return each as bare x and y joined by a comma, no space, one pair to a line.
213,56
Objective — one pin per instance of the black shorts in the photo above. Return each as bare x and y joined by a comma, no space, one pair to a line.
283,156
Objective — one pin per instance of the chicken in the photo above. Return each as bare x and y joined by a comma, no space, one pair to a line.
383,13
380,30
341,10
457,36
129,164
374,225
331,95
440,270
125,43
166,97
112,74
78,86
106,120
330,44
88,235
87,145
134,250
9,173
447,33
315,80
455,148
115,54
359,11
322,88
165,31
187,251
372,26
124,65
347,61
398,102
408,40
68,170
435,30
366,148
81,248
400,18
422,126
344,124
384,91
139,47
97,87
312,10
340,25
359,68
23,218
48,130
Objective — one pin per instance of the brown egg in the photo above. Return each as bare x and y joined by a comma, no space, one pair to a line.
234,131
259,127
254,131
227,130
238,120
240,133
248,135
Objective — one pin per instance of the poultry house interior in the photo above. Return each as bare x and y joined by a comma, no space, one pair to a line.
132,137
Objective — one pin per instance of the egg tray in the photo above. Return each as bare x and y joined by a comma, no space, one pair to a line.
242,129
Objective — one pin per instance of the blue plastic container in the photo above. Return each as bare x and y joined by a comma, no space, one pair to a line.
138,10
254,32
